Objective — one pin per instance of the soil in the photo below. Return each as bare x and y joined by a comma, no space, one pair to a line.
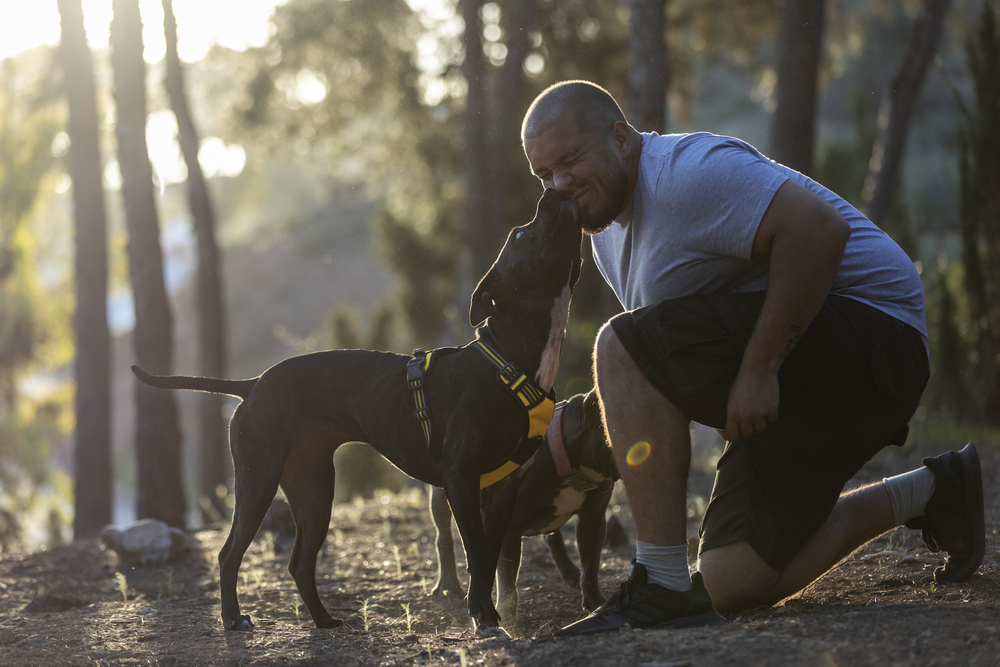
880,606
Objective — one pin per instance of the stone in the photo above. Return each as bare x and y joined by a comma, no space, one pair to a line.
146,542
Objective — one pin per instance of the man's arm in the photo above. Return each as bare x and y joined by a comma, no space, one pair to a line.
805,238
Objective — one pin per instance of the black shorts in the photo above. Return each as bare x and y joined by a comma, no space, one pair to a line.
848,389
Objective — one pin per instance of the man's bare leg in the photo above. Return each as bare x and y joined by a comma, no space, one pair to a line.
738,579
635,412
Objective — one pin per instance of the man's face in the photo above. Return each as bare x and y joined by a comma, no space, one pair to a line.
586,168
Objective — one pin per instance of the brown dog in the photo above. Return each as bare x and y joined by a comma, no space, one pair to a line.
574,474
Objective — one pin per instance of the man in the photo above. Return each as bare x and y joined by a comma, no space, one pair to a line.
762,304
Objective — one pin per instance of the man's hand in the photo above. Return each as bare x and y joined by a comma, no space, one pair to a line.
753,402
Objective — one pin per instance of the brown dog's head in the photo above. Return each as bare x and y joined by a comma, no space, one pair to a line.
583,435
538,261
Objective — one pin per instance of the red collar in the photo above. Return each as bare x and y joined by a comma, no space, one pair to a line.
564,467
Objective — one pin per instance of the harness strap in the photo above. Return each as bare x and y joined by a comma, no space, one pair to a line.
416,368
537,402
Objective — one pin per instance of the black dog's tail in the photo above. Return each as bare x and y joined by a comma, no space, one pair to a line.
238,388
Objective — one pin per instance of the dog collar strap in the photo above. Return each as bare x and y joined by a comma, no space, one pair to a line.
537,402
577,479
556,445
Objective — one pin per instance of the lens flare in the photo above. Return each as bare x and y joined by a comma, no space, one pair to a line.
638,453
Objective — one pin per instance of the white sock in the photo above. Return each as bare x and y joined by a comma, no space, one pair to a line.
666,566
909,493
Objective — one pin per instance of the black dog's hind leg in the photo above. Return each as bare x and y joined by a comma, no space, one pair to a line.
447,580
308,483
255,487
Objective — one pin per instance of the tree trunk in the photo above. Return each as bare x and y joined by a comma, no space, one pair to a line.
648,82
475,251
508,99
157,436
792,132
897,108
212,443
649,71
92,399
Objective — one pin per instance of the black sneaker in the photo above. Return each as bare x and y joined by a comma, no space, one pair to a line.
953,519
640,604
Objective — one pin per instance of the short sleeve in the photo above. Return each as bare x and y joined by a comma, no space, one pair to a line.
718,188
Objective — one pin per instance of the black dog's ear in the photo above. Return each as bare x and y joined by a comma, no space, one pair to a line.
482,301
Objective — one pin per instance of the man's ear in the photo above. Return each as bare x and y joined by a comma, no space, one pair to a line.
482,300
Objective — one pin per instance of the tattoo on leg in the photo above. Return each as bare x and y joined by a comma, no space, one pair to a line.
796,334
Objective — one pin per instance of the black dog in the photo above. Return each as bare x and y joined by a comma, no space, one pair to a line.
573,475
471,423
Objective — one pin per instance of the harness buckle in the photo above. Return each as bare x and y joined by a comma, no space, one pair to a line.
422,414
508,373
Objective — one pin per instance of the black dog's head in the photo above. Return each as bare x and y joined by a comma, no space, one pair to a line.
538,261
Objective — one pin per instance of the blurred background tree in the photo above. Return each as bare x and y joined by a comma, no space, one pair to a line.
157,438
92,400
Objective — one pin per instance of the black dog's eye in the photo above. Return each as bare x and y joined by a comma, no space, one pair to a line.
518,235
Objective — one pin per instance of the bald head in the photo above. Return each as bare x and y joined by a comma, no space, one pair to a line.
591,107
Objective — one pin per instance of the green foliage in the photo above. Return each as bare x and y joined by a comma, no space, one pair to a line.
34,321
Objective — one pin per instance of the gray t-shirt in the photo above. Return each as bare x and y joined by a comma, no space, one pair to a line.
690,226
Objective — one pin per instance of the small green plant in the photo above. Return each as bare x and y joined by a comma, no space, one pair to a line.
463,658
267,545
122,585
169,571
933,587
258,577
399,562
296,603
365,615
409,619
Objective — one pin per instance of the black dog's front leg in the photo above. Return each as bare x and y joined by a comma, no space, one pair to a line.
463,495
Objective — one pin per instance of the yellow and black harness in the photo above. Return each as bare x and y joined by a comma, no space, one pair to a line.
540,405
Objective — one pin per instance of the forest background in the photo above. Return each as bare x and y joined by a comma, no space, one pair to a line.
361,167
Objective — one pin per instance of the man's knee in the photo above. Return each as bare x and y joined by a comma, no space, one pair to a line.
611,360
737,578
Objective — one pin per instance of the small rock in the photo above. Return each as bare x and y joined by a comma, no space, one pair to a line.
146,542
8,636
492,643
149,636
954,596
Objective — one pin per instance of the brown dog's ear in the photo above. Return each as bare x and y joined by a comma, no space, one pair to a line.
482,301
574,423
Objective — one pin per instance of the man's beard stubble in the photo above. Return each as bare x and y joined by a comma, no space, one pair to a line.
615,182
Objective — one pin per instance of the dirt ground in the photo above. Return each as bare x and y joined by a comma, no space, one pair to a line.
65,605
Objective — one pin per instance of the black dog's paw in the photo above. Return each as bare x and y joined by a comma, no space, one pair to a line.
330,623
242,623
